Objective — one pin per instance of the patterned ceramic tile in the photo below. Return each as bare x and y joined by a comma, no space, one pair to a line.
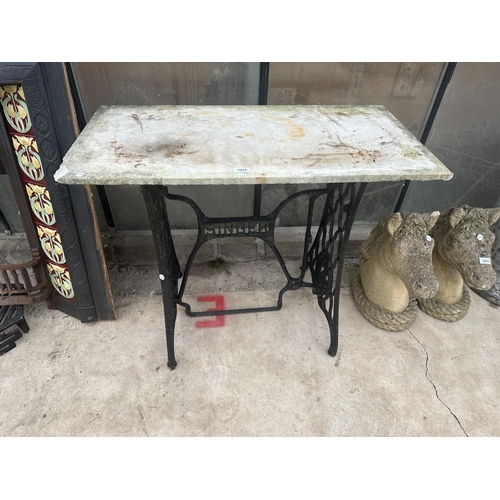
15,110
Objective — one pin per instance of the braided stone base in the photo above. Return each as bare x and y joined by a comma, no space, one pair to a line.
446,312
386,320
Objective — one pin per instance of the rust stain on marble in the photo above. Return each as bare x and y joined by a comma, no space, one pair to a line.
295,131
169,150
120,154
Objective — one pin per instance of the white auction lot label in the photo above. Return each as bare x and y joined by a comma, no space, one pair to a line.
241,169
484,260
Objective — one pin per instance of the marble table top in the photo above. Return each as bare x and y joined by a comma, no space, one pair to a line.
203,145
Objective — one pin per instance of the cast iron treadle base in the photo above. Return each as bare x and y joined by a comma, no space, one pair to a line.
324,257
12,324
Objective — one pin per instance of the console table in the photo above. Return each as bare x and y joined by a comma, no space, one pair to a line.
342,148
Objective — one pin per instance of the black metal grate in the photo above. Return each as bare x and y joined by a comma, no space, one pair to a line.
12,326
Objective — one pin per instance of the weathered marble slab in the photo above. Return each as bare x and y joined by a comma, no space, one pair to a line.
246,145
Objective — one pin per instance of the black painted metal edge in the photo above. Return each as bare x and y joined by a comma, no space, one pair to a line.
441,85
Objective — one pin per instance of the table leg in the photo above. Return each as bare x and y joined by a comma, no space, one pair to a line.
168,265
326,256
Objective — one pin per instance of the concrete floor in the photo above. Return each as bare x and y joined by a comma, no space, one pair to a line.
264,374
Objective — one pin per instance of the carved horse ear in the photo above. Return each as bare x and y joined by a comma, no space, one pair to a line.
494,215
394,222
431,219
456,215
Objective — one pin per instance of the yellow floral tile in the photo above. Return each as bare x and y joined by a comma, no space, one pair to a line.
28,158
40,203
59,276
15,108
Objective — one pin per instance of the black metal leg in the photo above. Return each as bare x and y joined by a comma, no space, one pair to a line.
168,265
169,293
326,257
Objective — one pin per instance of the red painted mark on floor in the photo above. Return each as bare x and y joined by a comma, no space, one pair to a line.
220,320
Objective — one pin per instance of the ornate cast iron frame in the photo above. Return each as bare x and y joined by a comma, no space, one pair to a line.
324,257
49,101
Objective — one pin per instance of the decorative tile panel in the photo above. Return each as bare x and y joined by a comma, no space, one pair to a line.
26,150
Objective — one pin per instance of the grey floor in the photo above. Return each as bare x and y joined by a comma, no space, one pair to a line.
265,374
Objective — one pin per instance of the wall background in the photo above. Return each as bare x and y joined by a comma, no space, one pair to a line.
464,136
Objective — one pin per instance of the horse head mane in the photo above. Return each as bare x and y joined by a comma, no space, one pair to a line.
379,234
447,221
463,215
399,226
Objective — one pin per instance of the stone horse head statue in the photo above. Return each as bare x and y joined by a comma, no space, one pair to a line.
395,268
462,254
